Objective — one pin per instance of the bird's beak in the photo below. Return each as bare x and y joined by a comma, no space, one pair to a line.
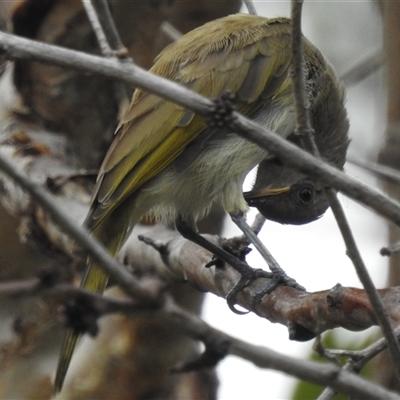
271,192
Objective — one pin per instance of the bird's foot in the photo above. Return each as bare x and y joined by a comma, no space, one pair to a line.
222,257
248,274
279,278
238,248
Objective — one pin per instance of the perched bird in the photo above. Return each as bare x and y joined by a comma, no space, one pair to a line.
166,162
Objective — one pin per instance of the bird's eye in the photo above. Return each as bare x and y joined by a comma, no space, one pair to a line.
306,195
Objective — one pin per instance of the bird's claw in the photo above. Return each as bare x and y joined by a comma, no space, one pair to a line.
247,276
278,279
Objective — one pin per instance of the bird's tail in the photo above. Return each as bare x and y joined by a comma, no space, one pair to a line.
95,280
112,233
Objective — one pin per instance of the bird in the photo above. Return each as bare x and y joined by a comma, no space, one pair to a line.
165,161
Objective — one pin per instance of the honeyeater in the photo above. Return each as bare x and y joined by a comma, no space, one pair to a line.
165,161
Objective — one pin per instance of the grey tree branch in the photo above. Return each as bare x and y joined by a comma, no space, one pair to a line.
176,259
322,374
21,48
263,357
61,218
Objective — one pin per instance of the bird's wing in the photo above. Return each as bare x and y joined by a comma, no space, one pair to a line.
244,55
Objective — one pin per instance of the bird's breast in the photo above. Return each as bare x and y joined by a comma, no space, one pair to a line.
212,169
216,174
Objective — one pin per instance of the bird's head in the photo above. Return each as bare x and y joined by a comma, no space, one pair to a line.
287,196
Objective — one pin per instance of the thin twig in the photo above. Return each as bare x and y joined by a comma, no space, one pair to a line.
110,29
361,357
103,305
170,31
303,124
109,40
290,154
97,28
23,288
382,171
363,68
250,7
322,351
358,358
389,250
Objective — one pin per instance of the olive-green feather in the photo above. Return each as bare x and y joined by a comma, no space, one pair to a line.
241,59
